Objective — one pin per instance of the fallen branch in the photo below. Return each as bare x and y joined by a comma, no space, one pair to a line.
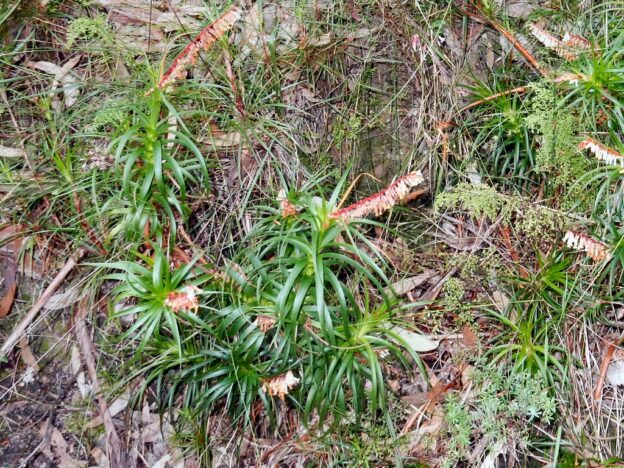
518,90
117,454
17,333
510,37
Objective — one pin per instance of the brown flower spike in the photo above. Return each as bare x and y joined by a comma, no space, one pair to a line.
602,152
551,42
595,249
280,385
265,322
287,207
381,201
209,35
184,299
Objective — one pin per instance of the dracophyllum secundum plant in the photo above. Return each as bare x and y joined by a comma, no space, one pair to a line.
156,159
307,298
158,297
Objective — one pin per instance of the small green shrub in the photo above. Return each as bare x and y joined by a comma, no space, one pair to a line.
505,405
91,30
283,306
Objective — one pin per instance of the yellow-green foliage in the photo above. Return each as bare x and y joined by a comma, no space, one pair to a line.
480,200
89,30
483,201
557,156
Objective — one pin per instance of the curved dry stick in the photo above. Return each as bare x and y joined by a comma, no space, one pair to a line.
117,453
518,90
208,36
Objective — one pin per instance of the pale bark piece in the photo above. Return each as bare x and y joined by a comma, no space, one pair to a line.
8,152
63,300
406,285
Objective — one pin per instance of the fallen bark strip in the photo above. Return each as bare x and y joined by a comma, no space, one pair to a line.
17,333
117,454
604,366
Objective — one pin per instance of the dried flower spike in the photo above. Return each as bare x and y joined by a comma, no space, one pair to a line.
602,152
595,249
184,299
209,35
551,42
280,385
265,322
575,41
287,207
381,201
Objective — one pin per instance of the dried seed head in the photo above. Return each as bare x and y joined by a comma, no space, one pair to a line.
265,322
602,152
209,35
551,42
280,385
98,160
184,299
595,249
287,207
575,41
382,201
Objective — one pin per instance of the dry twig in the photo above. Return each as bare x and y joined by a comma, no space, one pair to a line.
17,333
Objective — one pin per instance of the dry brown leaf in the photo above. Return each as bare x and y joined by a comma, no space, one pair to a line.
10,272
430,427
407,285
469,338
226,140
27,355
62,76
8,297
114,409
56,448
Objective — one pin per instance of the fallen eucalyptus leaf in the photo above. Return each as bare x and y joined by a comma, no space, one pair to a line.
416,341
